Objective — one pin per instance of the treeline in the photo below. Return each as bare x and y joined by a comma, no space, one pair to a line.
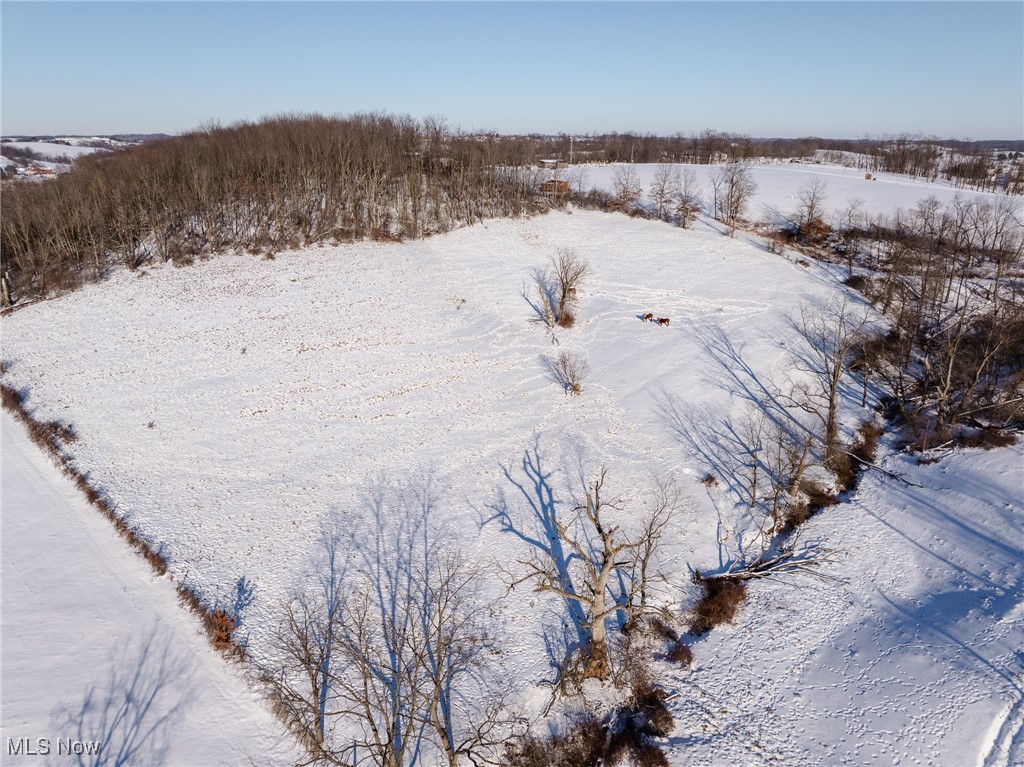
24,154
948,277
279,183
703,148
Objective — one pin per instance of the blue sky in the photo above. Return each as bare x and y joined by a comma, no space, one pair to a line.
765,68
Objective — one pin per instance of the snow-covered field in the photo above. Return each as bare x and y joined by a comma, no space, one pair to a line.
237,408
95,651
778,187
49,149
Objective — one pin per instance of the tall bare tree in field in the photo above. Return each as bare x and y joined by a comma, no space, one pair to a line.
733,185
570,270
385,654
664,187
626,187
600,551
688,205
811,198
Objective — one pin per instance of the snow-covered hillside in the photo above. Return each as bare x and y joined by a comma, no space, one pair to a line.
238,408
48,149
913,652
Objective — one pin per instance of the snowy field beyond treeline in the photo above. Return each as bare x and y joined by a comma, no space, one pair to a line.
239,409
778,186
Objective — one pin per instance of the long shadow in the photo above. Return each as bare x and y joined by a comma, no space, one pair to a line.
712,437
742,381
535,489
927,507
400,519
135,713
952,607
541,281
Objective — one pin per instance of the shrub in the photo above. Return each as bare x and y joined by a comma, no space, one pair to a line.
795,515
219,625
844,469
709,480
571,369
815,231
818,497
623,737
581,744
681,654
986,438
720,601
858,282
654,717
663,629
866,445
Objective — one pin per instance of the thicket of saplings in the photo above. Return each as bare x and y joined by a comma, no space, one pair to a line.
279,183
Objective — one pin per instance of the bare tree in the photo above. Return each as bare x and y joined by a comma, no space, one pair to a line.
545,299
688,205
569,272
832,334
392,659
733,186
811,199
569,370
850,221
626,187
664,187
301,682
455,649
600,552
577,178
643,565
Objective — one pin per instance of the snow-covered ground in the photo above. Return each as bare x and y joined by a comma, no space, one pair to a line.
778,187
912,655
48,150
95,650
237,408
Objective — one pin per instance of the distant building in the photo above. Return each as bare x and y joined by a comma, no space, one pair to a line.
552,164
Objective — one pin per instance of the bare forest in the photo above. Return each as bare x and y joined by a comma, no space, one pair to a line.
280,183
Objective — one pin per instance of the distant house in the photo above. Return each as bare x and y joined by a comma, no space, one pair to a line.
552,164
556,186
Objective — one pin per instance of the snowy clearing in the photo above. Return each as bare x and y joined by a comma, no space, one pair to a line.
238,408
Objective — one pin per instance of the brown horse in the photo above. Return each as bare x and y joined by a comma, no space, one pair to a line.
662,321
648,317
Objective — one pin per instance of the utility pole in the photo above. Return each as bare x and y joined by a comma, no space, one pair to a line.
570,150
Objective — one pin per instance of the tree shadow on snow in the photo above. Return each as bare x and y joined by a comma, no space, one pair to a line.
531,515
710,434
135,712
